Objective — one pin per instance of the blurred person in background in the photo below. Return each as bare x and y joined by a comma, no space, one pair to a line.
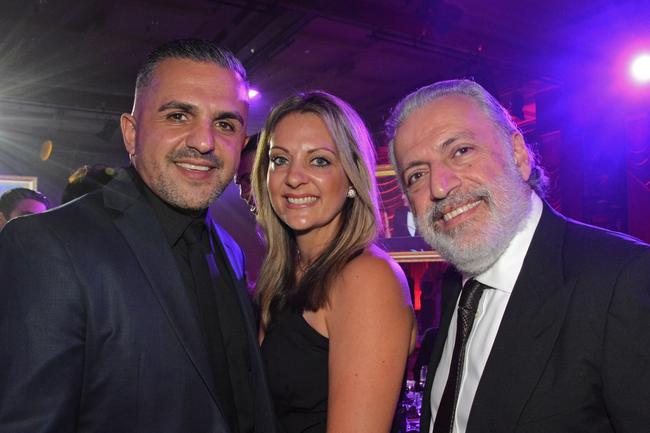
19,202
243,175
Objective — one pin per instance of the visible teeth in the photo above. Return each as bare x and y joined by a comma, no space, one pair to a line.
193,167
301,200
454,213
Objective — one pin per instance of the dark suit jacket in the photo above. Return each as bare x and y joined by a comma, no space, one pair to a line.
97,333
400,222
573,348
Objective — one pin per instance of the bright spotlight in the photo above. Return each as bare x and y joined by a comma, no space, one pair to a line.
640,68
253,93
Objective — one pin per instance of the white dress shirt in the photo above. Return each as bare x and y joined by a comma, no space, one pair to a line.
501,277
410,223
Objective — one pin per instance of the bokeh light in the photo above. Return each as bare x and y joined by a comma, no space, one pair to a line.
253,93
640,68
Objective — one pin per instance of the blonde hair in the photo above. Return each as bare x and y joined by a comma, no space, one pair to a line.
277,283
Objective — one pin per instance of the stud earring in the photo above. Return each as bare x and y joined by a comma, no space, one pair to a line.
352,193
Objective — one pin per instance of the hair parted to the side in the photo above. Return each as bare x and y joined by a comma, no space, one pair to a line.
197,50
277,283
487,103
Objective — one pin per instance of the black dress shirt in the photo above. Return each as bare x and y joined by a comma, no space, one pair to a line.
225,346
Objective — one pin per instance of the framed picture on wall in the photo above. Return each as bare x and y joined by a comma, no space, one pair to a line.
400,238
8,182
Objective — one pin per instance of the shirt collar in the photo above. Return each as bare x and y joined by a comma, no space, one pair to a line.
503,274
173,220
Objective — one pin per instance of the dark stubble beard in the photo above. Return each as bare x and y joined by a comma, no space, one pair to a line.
167,189
508,201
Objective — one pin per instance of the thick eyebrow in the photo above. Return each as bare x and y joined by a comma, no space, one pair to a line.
230,115
411,165
189,108
448,142
176,105
461,135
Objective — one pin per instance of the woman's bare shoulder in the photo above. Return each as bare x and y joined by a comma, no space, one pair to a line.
372,273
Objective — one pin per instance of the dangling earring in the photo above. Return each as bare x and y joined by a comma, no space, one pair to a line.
352,193
131,157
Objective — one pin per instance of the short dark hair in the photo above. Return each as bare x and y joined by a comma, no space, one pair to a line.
192,49
11,198
86,179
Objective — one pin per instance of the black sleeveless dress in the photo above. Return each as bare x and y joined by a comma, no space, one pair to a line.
295,357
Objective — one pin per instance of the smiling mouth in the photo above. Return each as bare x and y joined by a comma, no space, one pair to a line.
188,166
301,200
460,210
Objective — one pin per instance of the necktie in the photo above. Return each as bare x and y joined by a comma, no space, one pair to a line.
204,272
469,299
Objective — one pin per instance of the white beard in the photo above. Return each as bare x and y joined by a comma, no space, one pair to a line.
508,201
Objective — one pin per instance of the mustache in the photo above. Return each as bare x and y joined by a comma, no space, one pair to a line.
437,210
190,153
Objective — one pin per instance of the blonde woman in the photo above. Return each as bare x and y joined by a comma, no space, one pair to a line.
337,322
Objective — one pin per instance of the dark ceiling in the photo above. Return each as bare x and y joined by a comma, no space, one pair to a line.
84,54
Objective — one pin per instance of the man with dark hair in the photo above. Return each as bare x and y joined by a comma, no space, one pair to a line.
21,201
243,175
126,310
550,330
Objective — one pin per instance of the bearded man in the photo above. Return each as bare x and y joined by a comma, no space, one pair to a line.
551,330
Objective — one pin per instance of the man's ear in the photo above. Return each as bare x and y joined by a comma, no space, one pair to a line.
521,155
127,125
3,220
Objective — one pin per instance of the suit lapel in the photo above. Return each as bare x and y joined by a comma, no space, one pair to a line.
252,391
527,333
138,224
234,277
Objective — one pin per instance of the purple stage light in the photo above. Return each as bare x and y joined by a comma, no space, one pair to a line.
640,68
253,93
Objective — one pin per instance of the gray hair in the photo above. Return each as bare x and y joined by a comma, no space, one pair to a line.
486,102
191,49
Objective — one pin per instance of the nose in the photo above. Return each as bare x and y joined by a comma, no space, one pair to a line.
442,181
201,137
296,175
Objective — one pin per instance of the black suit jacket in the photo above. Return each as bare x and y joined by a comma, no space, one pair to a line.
573,348
400,222
97,333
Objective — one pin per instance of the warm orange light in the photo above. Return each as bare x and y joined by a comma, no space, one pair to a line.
46,149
